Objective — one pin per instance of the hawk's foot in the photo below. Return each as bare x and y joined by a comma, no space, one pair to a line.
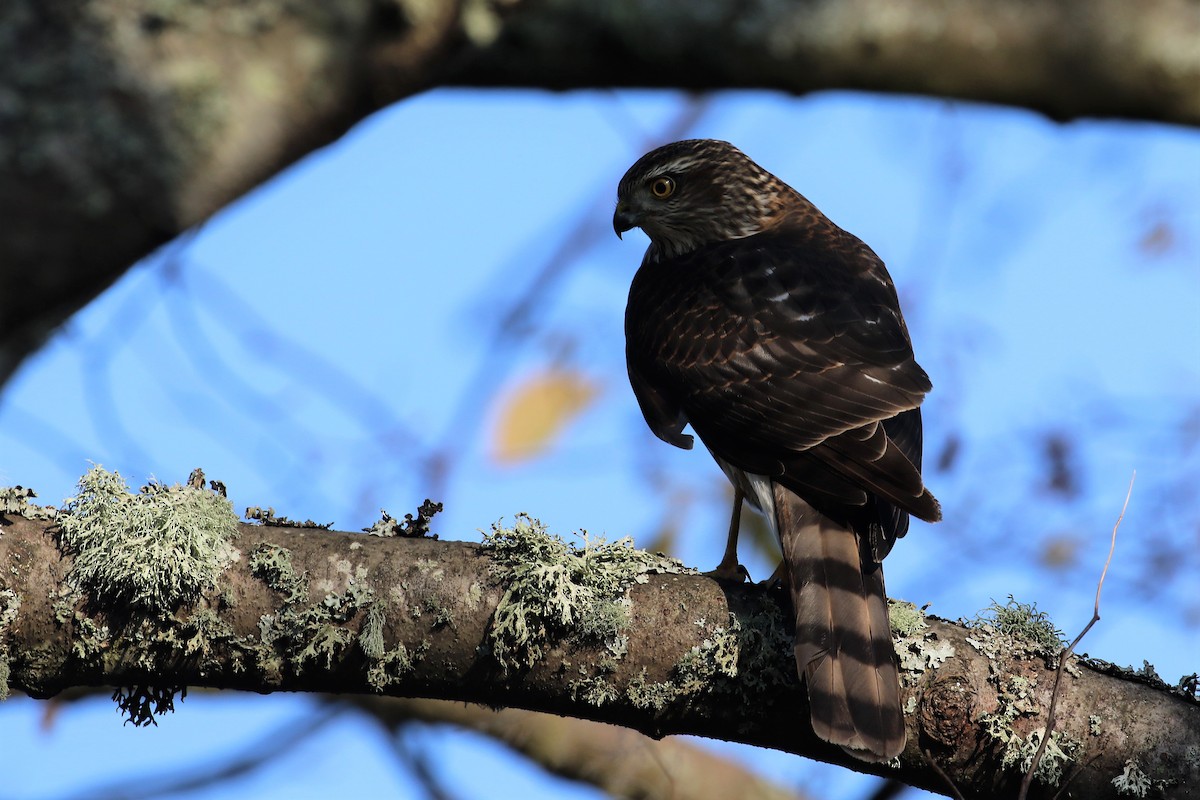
730,572
778,579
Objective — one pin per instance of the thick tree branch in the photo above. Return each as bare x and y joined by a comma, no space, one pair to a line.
302,610
1067,59
619,761
126,123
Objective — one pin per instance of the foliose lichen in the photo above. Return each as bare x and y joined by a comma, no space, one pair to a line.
557,591
1016,699
1132,780
16,500
411,528
303,633
917,646
10,606
747,658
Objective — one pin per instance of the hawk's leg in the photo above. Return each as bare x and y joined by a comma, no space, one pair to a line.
729,569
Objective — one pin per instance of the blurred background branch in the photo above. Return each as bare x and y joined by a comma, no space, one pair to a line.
127,123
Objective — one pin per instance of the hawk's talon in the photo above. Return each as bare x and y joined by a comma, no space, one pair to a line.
730,573
778,579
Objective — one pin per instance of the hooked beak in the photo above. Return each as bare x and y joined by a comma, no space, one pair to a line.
624,218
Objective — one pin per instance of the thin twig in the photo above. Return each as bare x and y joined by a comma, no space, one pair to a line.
954,792
1066,654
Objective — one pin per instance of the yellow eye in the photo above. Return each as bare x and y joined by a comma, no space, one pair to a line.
662,187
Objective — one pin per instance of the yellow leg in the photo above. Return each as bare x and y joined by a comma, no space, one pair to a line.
729,569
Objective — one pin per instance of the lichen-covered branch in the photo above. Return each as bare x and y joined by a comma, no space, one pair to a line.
126,123
595,630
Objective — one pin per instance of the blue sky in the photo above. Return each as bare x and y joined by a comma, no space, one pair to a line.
313,344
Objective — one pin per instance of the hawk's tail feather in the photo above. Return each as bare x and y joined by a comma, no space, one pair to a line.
843,638
874,462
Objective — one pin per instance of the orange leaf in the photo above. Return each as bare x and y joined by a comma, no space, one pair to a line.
535,413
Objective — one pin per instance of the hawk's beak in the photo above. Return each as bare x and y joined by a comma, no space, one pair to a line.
624,218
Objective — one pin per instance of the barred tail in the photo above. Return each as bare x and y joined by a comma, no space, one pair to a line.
843,639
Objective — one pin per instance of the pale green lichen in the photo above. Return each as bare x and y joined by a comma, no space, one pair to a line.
905,618
606,623
918,654
144,563
410,527
474,595
1016,699
1005,634
917,646
443,615
10,606
557,591
747,659
1132,780
395,664
594,690
1094,724
655,696
273,565
300,632
154,550
15,500
716,657
1061,750
370,638
430,569
1023,622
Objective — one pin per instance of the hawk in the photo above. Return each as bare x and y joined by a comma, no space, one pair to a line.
777,336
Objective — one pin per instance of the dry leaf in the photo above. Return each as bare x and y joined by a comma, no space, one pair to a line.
535,413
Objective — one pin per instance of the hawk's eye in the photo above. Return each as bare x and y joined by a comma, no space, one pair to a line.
662,187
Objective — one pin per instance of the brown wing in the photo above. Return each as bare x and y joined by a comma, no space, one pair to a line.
787,354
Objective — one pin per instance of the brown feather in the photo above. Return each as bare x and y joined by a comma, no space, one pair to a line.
843,638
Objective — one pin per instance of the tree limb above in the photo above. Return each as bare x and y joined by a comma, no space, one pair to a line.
126,124
1080,58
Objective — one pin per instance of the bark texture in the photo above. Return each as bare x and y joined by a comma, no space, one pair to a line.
305,610
125,122
1066,58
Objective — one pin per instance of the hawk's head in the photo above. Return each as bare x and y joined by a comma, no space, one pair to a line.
691,193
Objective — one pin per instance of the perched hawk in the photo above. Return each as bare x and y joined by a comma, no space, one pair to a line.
778,337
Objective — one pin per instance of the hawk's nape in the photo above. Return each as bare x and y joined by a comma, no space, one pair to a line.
778,337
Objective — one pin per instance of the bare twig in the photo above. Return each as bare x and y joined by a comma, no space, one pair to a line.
954,792
1066,654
